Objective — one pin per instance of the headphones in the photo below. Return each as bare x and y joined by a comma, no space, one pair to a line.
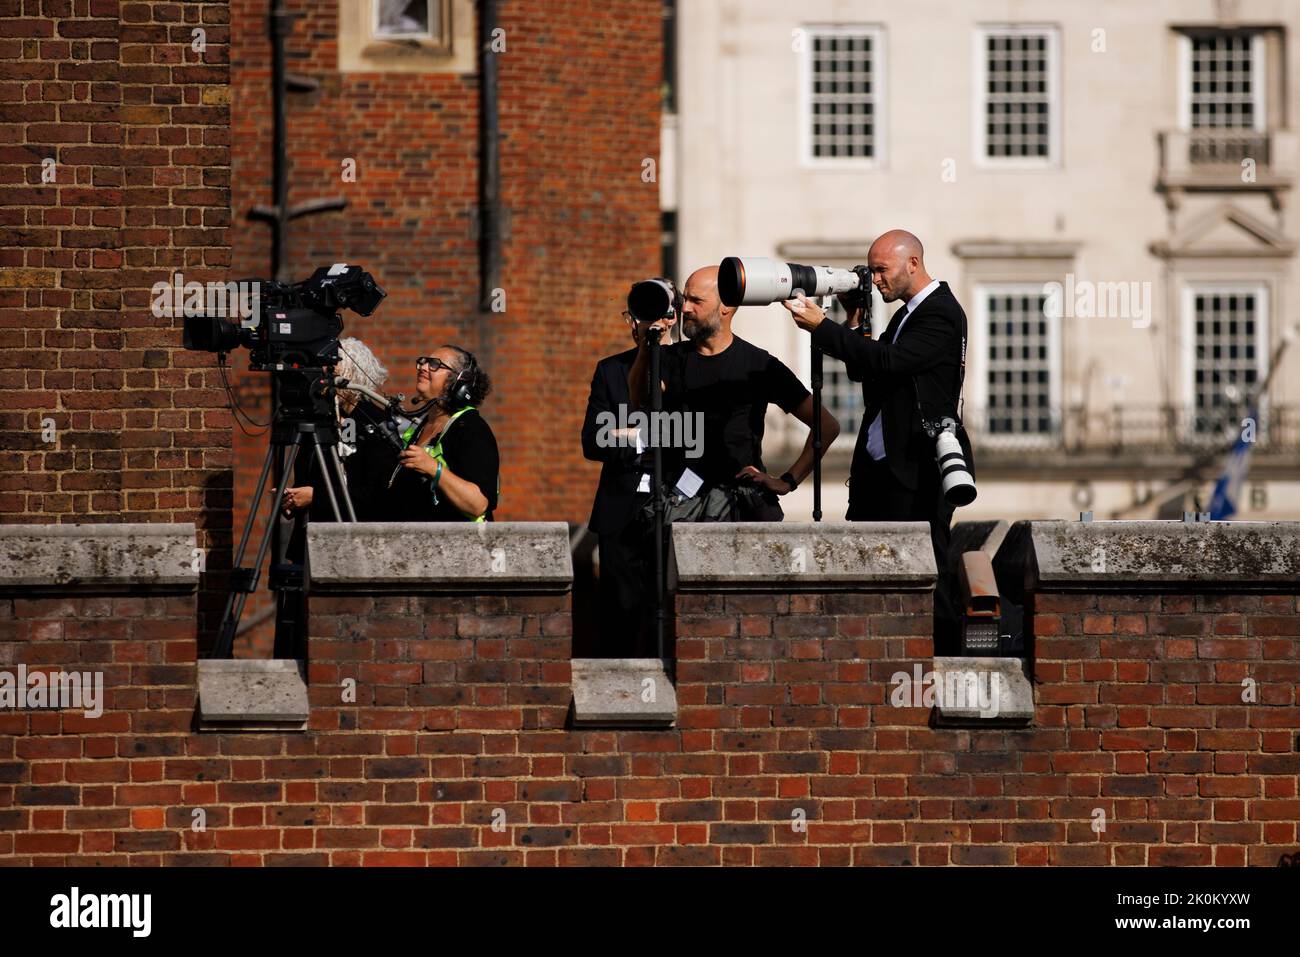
461,385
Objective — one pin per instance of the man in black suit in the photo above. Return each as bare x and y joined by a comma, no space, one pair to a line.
626,576
915,368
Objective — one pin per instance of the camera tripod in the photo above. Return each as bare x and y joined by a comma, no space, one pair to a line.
287,437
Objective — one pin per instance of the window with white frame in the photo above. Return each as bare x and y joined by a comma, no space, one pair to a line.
1017,102
1021,363
406,36
842,102
1226,339
1225,81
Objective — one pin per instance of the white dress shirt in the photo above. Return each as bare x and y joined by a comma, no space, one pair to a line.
875,431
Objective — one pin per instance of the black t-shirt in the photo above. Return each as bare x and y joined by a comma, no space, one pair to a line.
470,450
732,390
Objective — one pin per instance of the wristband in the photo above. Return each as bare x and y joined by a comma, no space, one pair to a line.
788,479
433,487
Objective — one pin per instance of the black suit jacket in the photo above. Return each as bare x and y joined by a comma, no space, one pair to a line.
620,466
928,352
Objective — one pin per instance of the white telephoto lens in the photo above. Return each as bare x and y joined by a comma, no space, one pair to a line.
958,484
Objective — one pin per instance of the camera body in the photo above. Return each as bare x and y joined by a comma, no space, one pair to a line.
296,325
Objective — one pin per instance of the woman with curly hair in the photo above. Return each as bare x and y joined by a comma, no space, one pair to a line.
450,470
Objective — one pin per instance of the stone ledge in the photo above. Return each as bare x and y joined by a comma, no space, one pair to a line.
251,694
495,557
801,556
610,693
1159,556
98,558
1008,695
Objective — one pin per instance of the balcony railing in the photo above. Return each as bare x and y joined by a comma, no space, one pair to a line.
1213,159
1167,430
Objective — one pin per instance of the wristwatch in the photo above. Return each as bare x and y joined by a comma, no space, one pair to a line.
788,479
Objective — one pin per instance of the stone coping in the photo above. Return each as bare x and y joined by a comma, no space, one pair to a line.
801,556
469,557
1150,555
99,557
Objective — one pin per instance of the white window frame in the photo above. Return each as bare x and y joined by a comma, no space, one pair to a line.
1259,82
879,100
980,102
1260,289
977,356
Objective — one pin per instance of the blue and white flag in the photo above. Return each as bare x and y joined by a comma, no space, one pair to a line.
1227,490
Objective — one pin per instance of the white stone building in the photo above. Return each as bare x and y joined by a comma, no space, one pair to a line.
1139,154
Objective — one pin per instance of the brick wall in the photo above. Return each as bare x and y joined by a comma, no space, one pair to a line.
104,415
785,720
582,223
1141,709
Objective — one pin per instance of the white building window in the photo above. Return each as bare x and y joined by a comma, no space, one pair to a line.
1019,384
1226,352
1225,81
842,100
1017,103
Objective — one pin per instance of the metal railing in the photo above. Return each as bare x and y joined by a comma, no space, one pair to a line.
1227,147
1138,429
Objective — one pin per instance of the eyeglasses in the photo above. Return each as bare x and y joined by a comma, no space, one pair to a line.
433,362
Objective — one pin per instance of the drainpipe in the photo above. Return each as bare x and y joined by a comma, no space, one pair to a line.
489,234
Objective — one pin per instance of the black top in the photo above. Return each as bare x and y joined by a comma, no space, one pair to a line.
620,470
921,361
470,450
732,390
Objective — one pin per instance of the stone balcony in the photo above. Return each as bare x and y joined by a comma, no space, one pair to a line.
1211,160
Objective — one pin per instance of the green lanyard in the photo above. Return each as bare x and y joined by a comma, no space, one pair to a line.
435,450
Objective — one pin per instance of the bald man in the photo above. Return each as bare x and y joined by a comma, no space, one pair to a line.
731,382
916,365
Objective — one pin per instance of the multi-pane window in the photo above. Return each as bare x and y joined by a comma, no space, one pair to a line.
1226,362
1017,94
842,102
1020,363
1223,91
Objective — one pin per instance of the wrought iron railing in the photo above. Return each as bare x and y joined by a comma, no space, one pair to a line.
1227,147
1139,429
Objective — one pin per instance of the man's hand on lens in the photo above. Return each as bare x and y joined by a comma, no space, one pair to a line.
769,482
807,314
853,302
638,330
